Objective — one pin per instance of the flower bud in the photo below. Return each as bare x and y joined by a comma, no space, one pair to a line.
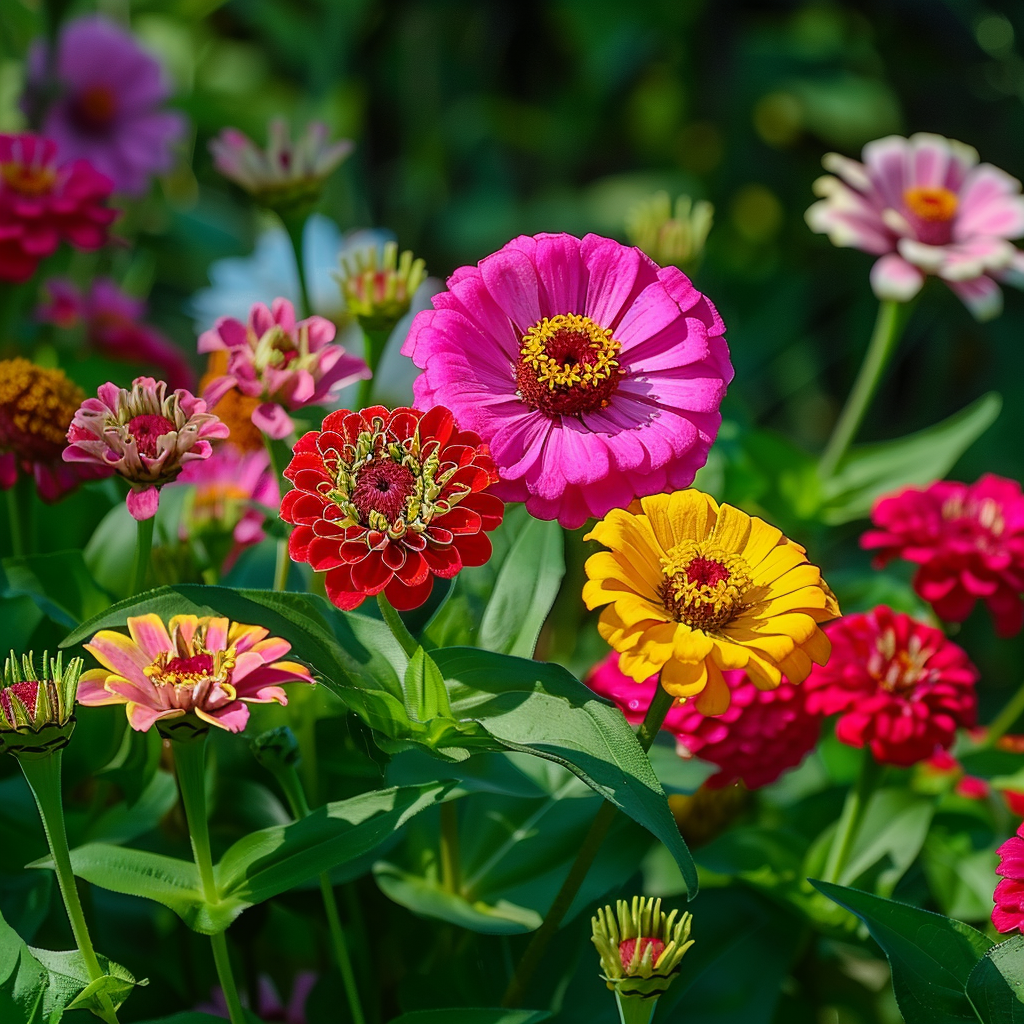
276,748
378,286
36,709
670,237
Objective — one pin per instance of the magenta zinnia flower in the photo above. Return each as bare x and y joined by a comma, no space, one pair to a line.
926,206
967,541
899,686
108,109
1008,913
208,667
594,376
144,435
286,364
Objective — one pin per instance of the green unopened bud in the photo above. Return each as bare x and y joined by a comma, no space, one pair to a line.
670,237
37,707
640,947
378,286
276,748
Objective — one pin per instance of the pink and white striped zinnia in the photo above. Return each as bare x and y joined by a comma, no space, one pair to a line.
925,205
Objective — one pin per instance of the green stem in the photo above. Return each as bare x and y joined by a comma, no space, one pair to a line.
295,226
282,564
852,816
1007,718
888,327
190,767
43,775
649,728
143,547
634,1009
398,628
16,520
451,872
374,342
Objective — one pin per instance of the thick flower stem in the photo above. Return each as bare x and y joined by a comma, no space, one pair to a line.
1007,718
633,1010
374,341
892,316
295,226
649,728
19,515
281,565
451,872
398,628
43,775
143,547
190,767
852,816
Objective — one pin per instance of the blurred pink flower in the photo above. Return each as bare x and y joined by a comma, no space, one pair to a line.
1008,913
926,206
109,99
144,435
286,364
111,319
269,1007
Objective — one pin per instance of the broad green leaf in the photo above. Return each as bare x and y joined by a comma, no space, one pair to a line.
541,709
869,471
59,583
472,1016
425,693
931,956
959,876
996,985
525,590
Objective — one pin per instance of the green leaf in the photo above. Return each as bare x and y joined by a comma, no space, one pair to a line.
70,984
996,985
525,590
931,956
869,471
59,583
541,709
425,693
467,1016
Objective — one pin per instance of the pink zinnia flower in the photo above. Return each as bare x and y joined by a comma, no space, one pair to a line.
763,733
1008,914
269,1006
926,206
44,202
112,322
286,364
967,541
109,104
144,435
899,686
594,376
208,667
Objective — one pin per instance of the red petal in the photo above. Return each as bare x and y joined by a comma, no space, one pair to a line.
298,543
370,574
325,554
443,561
438,424
336,420
491,509
394,556
475,548
461,520
415,569
405,598
340,591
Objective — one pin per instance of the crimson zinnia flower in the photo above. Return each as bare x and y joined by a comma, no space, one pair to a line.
386,500
899,686
1008,913
761,735
968,541
43,203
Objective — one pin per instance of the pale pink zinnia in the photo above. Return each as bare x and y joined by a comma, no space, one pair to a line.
143,434
284,363
594,375
926,206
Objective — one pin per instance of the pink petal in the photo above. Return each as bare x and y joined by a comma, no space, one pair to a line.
143,504
981,296
892,277
272,420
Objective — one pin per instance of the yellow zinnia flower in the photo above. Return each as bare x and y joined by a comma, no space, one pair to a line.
693,588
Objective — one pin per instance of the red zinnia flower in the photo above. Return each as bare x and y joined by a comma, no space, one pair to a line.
968,541
1008,913
899,686
763,733
42,203
386,500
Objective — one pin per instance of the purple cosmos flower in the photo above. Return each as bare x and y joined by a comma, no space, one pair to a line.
108,104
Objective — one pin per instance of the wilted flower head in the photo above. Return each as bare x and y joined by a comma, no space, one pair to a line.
144,435
693,588
113,326
899,686
761,735
207,667
594,375
640,946
284,363
387,500
44,202
1008,914
285,176
37,405
926,206
37,707
671,237
108,102
378,286
967,541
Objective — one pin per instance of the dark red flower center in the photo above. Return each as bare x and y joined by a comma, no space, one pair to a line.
147,429
627,949
27,692
567,366
196,665
382,486
95,107
28,180
706,572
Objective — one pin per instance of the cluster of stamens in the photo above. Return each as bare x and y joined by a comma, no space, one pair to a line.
276,349
704,586
987,513
899,670
568,365
193,667
36,408
931,203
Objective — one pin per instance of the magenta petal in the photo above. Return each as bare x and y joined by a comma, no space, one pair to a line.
143,504
272,420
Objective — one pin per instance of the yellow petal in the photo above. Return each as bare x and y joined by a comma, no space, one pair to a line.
715,698
608,565
683,679
729,655
764,674
639,663
633,610
692,644
150,634
658,641
683,515
796,666
818,648
800,576
778,561
762,541
732,529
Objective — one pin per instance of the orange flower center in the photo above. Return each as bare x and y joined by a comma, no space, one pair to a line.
931,203
704,585
567,365
95,107
27,180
